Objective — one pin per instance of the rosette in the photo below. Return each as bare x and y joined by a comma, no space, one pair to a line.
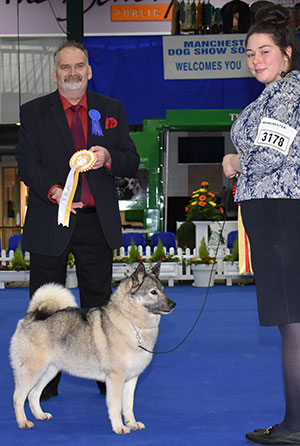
80,161
83,159
95,116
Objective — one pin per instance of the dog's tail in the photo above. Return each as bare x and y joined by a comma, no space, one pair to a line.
50,298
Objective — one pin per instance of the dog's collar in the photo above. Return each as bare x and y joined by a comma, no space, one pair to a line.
138,338
137,333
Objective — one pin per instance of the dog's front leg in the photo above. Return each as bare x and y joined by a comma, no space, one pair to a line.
114,389
127,406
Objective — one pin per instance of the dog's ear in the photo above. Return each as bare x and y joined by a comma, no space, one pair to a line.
138,276
155,269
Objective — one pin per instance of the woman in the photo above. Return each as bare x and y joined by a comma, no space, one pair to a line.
267,138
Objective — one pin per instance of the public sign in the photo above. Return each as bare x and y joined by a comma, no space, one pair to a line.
142,12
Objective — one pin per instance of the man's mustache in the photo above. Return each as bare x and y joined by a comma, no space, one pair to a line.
73,78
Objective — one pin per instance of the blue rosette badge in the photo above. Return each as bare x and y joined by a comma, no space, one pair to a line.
96,126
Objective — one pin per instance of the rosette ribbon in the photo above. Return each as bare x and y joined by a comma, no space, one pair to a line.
96,126
81,161
245,265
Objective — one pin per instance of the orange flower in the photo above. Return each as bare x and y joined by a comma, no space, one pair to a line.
204,183
211,194
221,210
187,208
202,203
202,198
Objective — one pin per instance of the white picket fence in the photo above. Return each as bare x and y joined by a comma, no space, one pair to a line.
6,257
184,270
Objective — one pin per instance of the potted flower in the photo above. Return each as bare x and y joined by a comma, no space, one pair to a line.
203,205
71,278
203,267
202,209
231,261
17,271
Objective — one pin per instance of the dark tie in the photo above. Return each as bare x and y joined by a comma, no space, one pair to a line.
79,143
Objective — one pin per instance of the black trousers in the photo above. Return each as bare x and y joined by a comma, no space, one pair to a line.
93,258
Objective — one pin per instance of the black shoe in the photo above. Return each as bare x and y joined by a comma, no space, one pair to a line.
262,430
48,393
102,387
51,388
267,437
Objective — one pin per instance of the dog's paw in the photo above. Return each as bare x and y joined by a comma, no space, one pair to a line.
122,430
45,416
137,426
26,425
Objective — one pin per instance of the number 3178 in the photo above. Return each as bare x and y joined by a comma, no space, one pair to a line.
272,138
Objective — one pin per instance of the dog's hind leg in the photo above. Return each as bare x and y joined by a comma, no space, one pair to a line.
35,393
114,390
20,395
128,399
25,381
27,374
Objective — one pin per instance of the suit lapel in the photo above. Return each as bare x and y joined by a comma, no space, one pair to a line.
61,122
60,119
94,104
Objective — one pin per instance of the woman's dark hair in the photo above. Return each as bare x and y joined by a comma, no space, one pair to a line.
275,21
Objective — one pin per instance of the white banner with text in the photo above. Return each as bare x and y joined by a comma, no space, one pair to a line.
205,57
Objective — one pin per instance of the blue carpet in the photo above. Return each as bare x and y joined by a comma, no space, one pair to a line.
222,382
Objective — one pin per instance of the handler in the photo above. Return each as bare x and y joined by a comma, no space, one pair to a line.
53,127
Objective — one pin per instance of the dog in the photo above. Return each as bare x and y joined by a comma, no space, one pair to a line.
113,344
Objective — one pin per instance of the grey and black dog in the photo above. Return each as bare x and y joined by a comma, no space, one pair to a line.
102,344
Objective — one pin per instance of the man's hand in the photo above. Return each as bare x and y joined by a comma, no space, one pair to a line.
56,195
103,157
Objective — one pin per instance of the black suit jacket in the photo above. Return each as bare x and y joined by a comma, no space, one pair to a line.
43,151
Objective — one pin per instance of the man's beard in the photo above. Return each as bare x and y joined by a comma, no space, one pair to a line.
73,83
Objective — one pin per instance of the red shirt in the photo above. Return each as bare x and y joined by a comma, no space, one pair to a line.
84,120
83,112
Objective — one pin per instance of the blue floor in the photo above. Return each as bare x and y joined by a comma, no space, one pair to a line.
222,382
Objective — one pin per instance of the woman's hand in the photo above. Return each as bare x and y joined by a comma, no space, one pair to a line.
231,165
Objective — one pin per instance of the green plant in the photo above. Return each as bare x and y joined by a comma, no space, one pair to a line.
134,253
203,251
160,254
185,235
18,263
159,251
71,260
204,205
203,256
133,256
234,256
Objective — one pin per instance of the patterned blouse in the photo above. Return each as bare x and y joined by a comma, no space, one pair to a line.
267,135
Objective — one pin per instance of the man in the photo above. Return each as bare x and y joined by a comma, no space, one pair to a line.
46,143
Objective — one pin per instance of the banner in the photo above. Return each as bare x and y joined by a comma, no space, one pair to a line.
218,56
